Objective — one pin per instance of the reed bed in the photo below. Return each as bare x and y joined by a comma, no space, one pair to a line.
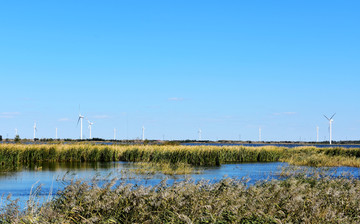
12,155
298,199
322,157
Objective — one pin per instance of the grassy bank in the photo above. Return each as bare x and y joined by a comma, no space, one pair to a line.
12,154
299,199
18,154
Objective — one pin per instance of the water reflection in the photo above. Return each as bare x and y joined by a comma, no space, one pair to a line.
80,166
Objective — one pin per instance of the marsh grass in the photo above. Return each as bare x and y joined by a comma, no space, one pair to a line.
300,198
15,155
322,157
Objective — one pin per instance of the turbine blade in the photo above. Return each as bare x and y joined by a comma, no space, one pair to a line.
332,116
78,121
326,117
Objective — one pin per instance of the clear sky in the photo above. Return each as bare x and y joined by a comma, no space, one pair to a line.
227,67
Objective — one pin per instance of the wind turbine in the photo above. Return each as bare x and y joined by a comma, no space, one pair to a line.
35,129
114,134
330,121
81,124
90,123
259,134
317,133
199,132
16,132
143,133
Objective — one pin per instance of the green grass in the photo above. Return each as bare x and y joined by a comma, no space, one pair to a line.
13,155
298,199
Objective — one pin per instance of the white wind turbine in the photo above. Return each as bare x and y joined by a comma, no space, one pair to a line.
259,134
81,124
317,133
143,133
35,129
199,132
330,122
90,124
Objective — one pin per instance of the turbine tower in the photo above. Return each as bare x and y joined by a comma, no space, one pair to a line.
199,132
16,132
35,129
114,134
90,124
330,122
81,124
143,133
259,134
317,133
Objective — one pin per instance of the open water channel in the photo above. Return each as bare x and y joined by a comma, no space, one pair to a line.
54,176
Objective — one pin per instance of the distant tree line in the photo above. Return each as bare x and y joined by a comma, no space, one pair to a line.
17,139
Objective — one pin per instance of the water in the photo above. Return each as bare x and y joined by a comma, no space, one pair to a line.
54,176
51,175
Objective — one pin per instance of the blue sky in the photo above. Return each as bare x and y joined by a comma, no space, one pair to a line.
227,67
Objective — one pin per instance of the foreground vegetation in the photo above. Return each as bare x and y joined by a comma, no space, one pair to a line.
13,155
298,199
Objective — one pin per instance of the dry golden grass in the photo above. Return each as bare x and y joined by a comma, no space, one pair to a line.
18,154
297,199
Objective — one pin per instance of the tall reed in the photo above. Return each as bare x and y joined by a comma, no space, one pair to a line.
298,199
18,154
